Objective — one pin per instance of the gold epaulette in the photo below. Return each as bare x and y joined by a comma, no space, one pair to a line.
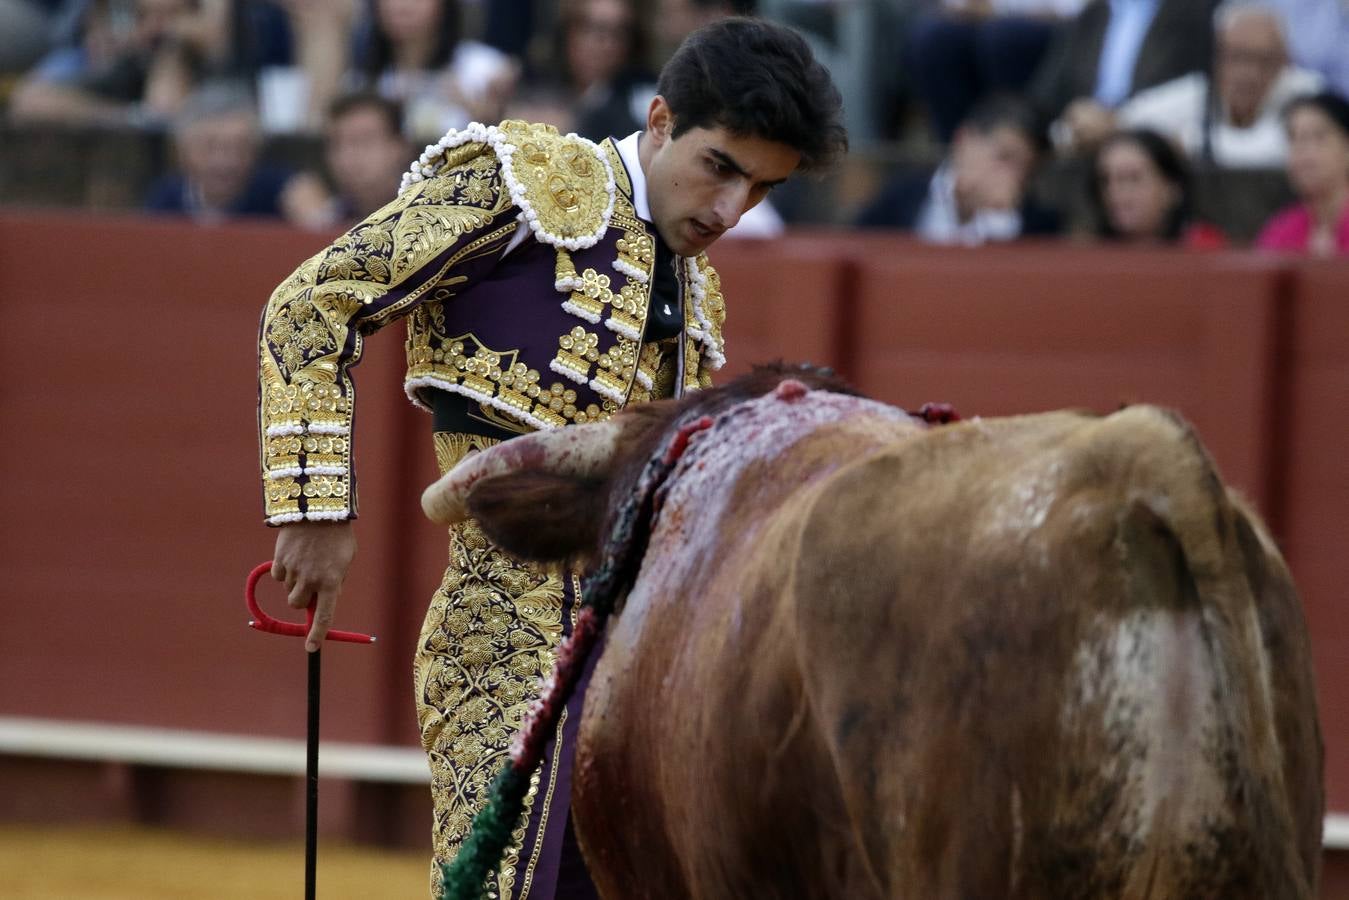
563,184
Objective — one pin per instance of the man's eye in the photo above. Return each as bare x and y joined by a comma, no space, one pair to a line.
718,168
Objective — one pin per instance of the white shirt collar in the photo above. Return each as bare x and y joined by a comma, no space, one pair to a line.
939,222
627,151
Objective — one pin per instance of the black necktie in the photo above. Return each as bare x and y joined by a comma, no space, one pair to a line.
665,319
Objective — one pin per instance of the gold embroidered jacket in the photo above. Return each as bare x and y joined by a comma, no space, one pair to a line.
546,335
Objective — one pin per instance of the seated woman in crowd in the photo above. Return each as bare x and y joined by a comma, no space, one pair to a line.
1318,167
1140,193
602,50
415,54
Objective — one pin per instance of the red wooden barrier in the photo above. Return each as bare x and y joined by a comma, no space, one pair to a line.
131,502
1012,330
781,302
1313,487
130,505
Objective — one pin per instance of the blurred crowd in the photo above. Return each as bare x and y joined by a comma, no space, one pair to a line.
1138,95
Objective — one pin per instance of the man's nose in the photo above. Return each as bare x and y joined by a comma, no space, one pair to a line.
730,205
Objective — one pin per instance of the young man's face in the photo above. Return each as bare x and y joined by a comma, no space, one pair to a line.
700,183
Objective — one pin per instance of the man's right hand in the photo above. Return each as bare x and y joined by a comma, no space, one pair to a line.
311,560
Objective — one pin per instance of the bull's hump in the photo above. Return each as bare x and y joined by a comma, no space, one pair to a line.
767,448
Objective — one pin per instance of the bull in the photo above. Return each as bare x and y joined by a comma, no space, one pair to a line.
1039,656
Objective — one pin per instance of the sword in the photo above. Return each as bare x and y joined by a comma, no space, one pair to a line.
263,622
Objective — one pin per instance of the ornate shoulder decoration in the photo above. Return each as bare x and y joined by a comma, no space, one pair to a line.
563,184
708,310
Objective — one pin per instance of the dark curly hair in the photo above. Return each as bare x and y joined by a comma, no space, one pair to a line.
1328,103
759,79
1170,164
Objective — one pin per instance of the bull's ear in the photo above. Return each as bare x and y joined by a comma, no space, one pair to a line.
540,516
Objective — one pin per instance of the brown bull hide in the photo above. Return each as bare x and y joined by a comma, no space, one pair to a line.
1045,656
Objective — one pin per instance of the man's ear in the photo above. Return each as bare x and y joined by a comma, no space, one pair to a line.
659,121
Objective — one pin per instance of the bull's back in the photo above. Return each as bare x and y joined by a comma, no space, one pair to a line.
1042,658
1036,657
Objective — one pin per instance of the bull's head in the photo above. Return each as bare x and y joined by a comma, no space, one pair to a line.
542,496
546,496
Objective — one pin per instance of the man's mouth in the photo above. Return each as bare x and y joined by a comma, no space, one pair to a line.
703,231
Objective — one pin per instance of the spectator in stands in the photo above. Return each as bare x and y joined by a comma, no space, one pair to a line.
979,194
218,143
967,49
1140,192
1318,167
677,19
1240,125
300,61
1111,51
415,53
1318,37
366,153
120,73
603,56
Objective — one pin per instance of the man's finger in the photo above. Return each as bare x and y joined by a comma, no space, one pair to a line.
300,595
323,619
279,571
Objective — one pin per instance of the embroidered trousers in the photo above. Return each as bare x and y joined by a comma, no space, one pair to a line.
492,629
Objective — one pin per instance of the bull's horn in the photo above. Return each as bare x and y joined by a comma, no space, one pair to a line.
580,450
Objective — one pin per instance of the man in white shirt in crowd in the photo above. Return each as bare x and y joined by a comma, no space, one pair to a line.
980,192
1234,118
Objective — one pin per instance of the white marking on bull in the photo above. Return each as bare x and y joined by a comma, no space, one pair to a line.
1146,679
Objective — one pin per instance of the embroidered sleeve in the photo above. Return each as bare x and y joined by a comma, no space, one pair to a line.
314,323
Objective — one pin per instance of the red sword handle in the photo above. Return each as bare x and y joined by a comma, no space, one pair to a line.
263,622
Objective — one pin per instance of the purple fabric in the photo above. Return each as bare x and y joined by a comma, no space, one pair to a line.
514,306
559,855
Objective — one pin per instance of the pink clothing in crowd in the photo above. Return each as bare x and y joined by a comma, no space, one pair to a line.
1291,231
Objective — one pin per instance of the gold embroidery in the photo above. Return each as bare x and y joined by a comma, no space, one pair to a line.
564,271
562,179
592,295
493,377
552,773
630,306
715,304
637,249
312,329
492,629
577,351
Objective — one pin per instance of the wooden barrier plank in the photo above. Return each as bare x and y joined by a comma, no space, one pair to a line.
1314,482
136,510
781,302
1036,328
131,507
